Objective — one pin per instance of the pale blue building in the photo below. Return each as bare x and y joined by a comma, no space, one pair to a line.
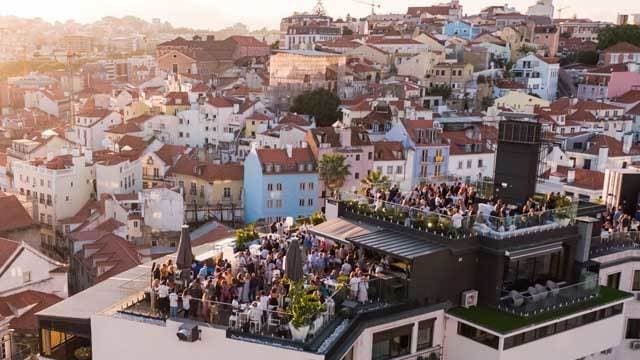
461,29
280,183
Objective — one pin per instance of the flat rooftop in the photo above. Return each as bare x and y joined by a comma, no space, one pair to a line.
505,323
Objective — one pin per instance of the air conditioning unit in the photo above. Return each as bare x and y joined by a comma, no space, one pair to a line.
635,345
469,298
188,333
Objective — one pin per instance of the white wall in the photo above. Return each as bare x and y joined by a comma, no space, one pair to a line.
163,209
122,339
12,279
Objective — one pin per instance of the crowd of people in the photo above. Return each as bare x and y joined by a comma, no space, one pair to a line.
255,279
460,202
615,220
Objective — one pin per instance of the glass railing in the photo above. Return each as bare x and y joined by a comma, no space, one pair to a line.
549,296
458,226
612,242
273,322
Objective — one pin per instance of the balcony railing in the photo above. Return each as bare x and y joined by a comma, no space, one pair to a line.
434,353
608,243
549,297
458,226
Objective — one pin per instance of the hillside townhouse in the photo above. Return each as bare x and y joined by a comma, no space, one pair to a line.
546,38
609,81
472,152
579,184
58,186
51,101
282,135
205,184
454,75
620,53
371,52
606,119
31,149
420,65
175,102
395,46
389,160
16,223
427,152
90,124
462,29
284,184
30,281
118,172
156,165
597,153
351,142
539,74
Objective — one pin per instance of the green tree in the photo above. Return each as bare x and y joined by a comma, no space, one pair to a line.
321,103
376,180
525,49
333,171
587,57
621,33
440,90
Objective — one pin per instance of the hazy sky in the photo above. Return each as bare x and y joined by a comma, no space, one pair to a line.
215,14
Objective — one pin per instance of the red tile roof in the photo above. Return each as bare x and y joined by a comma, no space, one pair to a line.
388,151
622,47
177,99
416,11
615,146
280,157
124,128
169,153
113,252
218,233
7,247
208,171
630,97
584,178
12,305
14,215
292,118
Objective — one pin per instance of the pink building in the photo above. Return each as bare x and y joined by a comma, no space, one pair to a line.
353,143
621,82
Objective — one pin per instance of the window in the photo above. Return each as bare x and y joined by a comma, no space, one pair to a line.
26,276
356,176
278,187
269,204
479,163
310,186
370,155
613,280
392,343
302,186
301,202
310,202
227,192
635,286
459,164
278,204
357,157
633,329
49,220
399,170
469,164
135,224
425,334
269,187
478,335
389,170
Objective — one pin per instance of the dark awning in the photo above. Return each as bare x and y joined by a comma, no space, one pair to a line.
340,229
535,251
400,245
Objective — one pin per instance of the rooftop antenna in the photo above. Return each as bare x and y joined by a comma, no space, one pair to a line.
371,3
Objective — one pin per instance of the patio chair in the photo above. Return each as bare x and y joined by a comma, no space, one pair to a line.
542,291
233,321
553,287
517,298
534,294
272,321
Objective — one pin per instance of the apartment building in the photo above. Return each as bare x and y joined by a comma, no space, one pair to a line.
539,74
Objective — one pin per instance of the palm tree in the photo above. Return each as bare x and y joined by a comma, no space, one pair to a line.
333,170
376,180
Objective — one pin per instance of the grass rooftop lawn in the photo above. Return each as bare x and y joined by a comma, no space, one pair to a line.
503,322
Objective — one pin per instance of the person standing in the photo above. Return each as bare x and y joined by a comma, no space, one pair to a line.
173,304
186,303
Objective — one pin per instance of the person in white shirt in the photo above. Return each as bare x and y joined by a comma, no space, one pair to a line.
163,298
186,303
353,286
173,304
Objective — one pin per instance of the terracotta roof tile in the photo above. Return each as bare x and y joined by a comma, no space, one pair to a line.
388,151
622,47
288,164
26,321
14,215
208,171
7,247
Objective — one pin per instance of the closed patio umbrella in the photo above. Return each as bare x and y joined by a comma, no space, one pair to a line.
184,256
294,261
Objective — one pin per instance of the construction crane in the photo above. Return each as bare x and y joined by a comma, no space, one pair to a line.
371,3
561,9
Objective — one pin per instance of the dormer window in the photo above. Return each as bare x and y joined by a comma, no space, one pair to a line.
268,168
278,168
149,160
309,167
301,167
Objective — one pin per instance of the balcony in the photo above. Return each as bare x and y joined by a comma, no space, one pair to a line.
446,226
609,243
243,322
549,297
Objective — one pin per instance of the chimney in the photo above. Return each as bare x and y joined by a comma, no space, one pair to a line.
603,157
571,176
345,136
289,149
627,141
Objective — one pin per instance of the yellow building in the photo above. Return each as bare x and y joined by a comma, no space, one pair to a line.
255,123
135,109
207,184
520,102
176,102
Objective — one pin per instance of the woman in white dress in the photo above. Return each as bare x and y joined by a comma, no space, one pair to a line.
363,290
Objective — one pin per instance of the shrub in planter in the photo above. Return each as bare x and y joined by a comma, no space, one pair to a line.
82,353
305,307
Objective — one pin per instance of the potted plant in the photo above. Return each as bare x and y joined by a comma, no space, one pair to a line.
305,307
82,353
563,210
